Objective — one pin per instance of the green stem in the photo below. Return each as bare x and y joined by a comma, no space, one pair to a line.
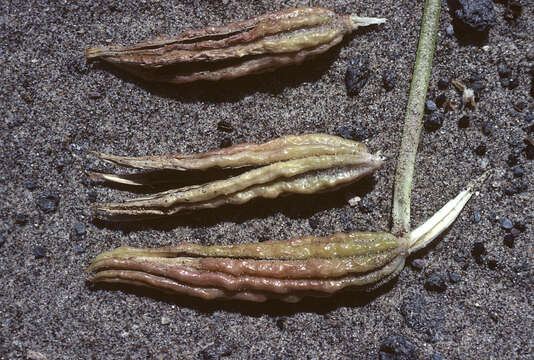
413,120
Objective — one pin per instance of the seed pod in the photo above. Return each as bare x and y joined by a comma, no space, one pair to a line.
245,47
286,270
293,164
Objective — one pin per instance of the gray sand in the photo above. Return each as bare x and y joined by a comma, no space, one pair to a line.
55,107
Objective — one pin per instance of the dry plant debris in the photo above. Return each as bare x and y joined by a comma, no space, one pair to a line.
302,164
261,44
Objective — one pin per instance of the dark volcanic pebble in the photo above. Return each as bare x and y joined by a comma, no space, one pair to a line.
357,74
92,196
492,264
463,122
225,126
398,348
78,250
49,202
518,171
430,106
217,350
441,100
473,15
454,277
478,249
39,251
504,71
506,224
433,121
486,128
481,150
435,282
509,240
355,132
226,142
389,79
418,264
79,229
520,226
443,84
30,184
21,219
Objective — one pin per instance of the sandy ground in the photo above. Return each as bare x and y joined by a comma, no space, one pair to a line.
55,107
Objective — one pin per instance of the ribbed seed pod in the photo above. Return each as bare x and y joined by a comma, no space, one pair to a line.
293,164
245,47
286,270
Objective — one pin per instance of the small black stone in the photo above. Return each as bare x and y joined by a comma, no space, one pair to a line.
226,142
441,100
78,250
398,348
487,128
513,83
436,283
92,196
39,251
504,71
2,239
463,122
30,184
389,79
21,219
492,264
418,264
60,165
49,202
454,277
529,150
357,74
513,10
365,205
217,350
476,217
512,159
79,229
430,106
313,222
518,171
477,83
506,224
481,150
519,225
443,84
509,240
473,15
478,249
433,121
521,105
355,132
225,126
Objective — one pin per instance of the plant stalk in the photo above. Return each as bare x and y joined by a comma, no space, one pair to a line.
413,120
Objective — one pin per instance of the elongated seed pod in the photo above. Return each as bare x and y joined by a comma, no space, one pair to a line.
294,164
286,270
245,47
